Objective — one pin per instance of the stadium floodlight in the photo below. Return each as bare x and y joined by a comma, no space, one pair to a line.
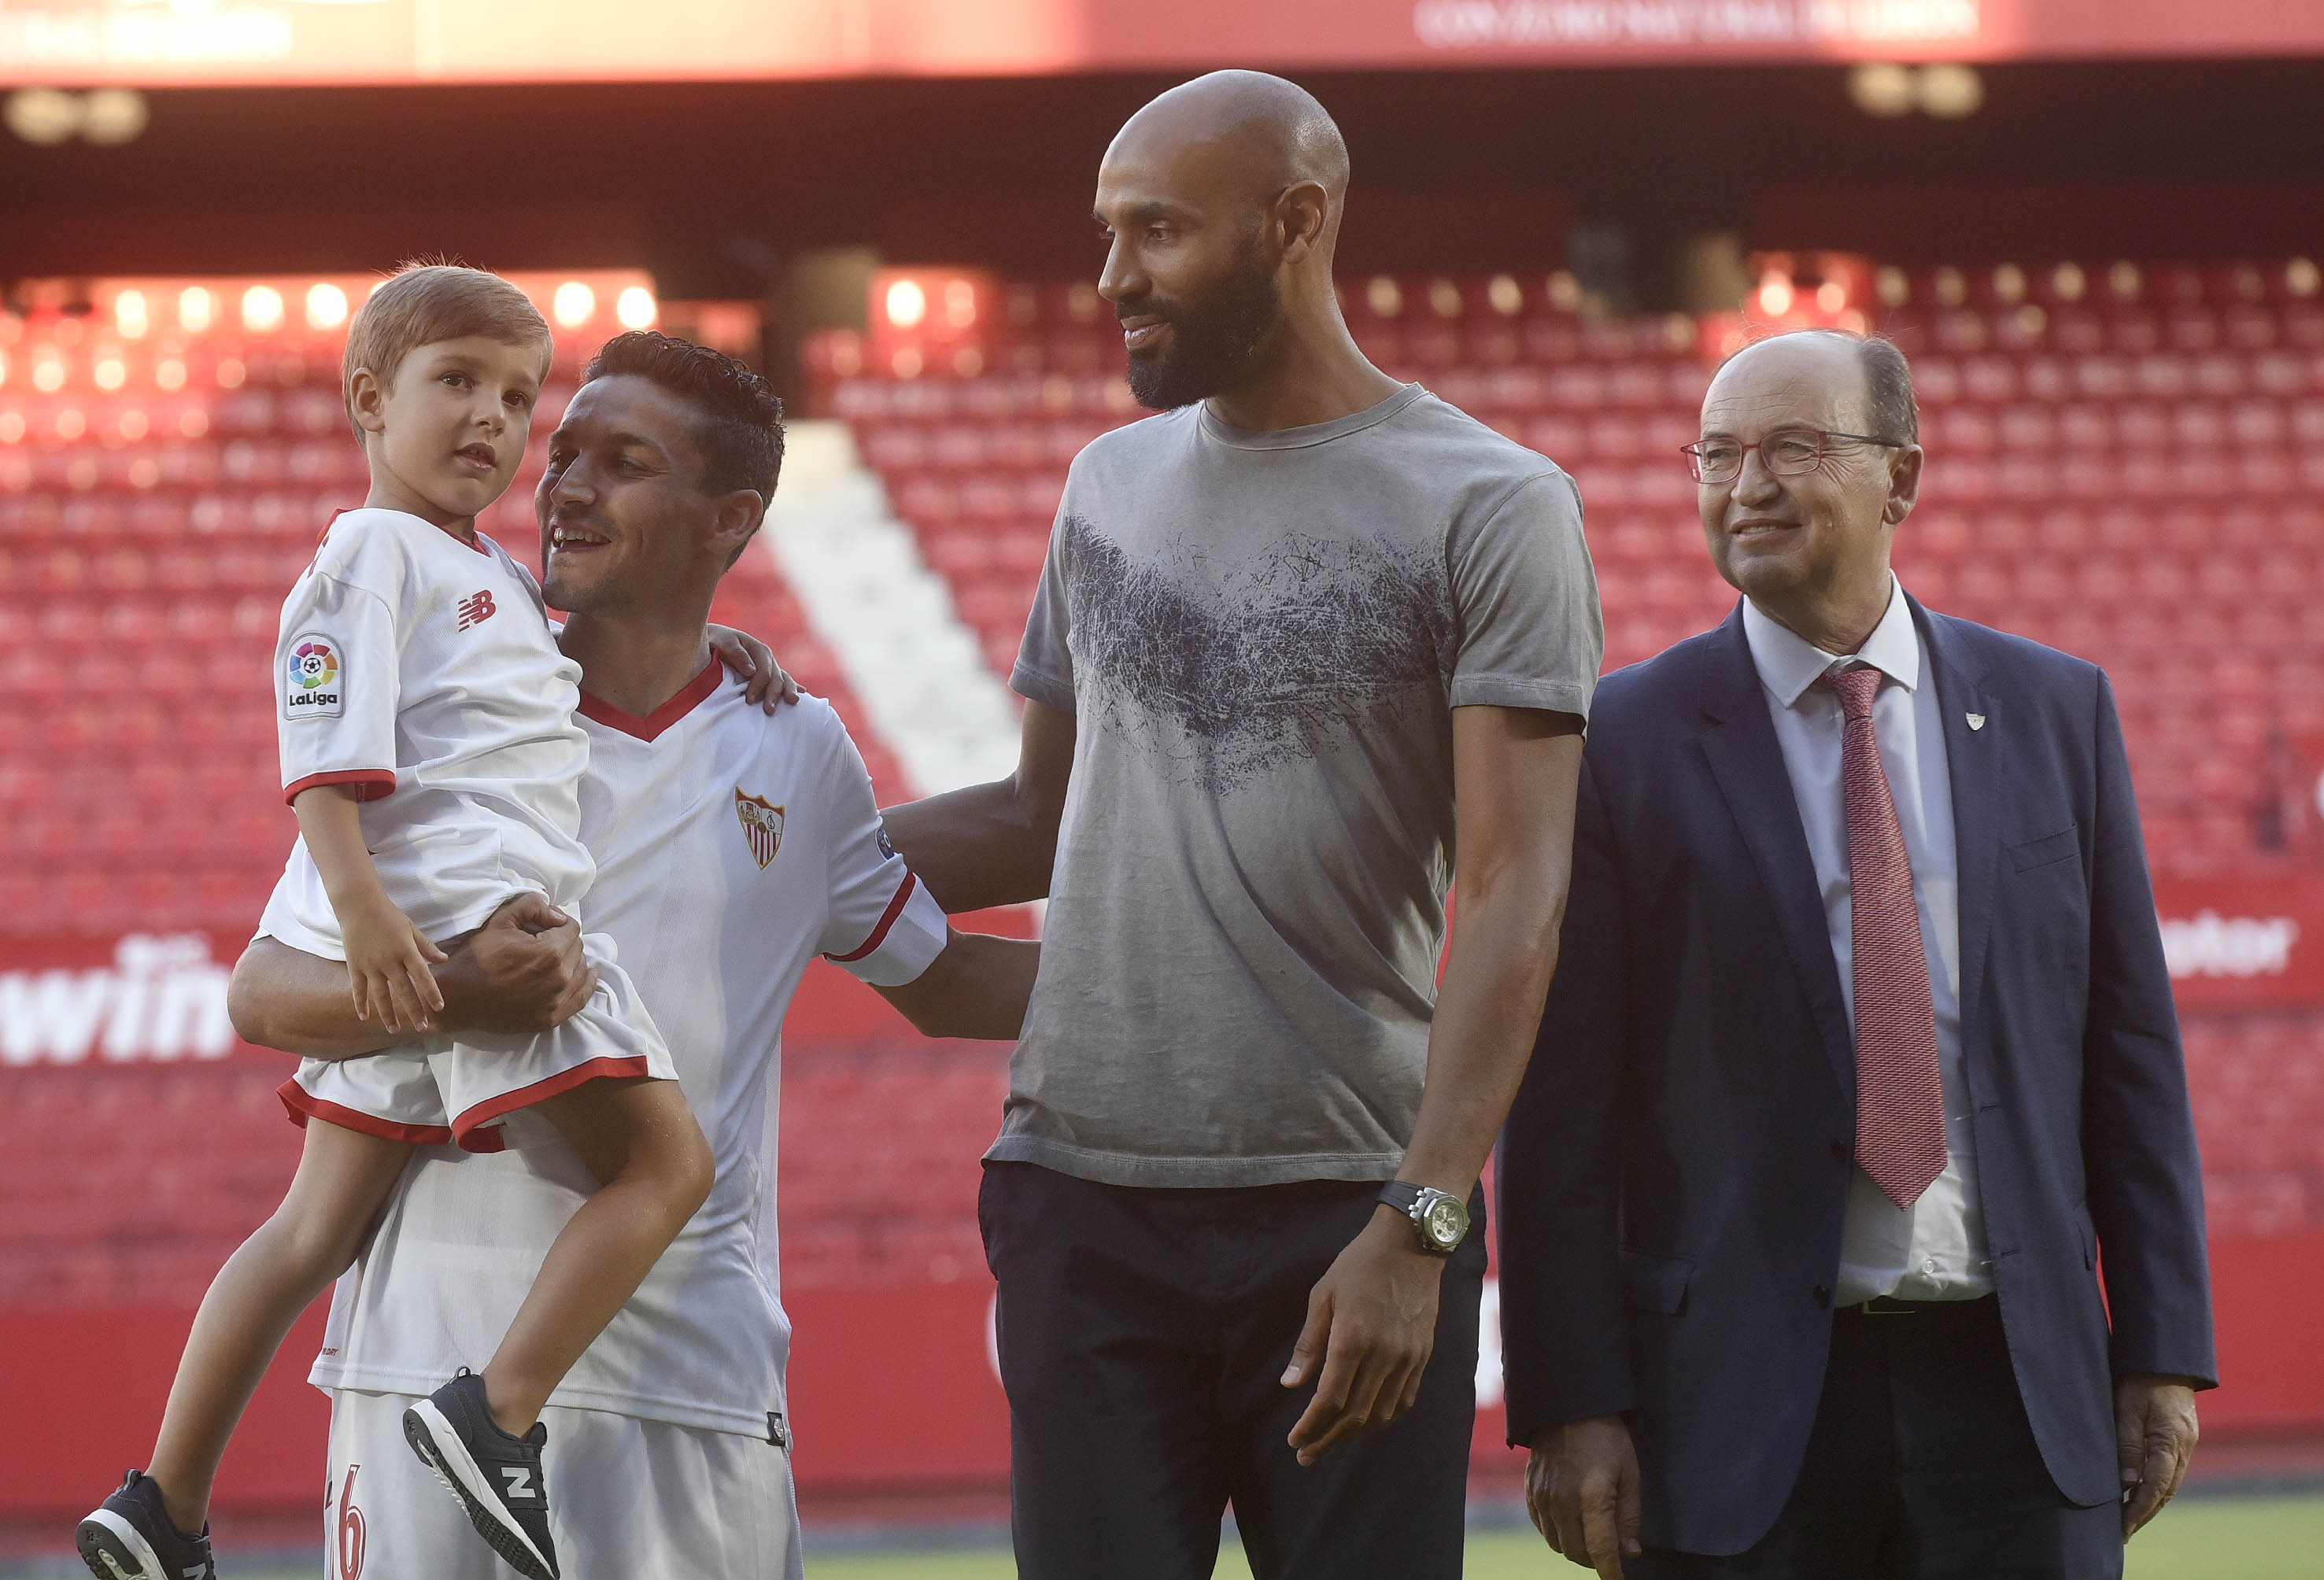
326,306
113,116
1951,90
129,316
44,115
261,309
634,307
195,308
906,304
574,304
1882,88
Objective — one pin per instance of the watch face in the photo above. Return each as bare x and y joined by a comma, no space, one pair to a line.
1446,1222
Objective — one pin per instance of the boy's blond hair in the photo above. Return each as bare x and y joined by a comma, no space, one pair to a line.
422,303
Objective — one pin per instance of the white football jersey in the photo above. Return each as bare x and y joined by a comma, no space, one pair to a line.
422,671
731,848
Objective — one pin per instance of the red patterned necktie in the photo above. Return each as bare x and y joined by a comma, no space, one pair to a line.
1900,1109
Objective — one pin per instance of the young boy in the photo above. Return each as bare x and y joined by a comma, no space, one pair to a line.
430,752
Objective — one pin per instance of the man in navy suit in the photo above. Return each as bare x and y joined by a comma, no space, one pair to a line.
1860,1056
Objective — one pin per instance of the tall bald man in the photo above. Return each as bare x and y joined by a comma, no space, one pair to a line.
1307,645
1861,1057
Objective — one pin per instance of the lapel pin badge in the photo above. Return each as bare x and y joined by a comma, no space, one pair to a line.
1976,720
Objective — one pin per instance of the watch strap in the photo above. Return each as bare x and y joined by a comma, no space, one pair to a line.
1400,1194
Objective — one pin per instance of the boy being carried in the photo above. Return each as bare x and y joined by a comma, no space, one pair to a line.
430,752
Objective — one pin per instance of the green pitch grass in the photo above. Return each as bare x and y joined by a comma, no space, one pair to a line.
2197,1539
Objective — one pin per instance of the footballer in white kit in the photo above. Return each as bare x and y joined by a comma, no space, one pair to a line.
421,671
731,849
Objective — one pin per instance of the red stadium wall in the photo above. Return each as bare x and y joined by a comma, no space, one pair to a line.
891,1390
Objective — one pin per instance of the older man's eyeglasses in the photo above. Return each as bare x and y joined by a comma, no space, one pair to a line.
1786,452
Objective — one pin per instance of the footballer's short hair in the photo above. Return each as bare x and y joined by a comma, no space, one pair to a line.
422,303
741,429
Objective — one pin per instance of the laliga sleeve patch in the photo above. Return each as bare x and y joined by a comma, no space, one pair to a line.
314,672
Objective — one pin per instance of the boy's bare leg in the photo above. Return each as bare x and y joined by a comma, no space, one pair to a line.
653,1167
343,1180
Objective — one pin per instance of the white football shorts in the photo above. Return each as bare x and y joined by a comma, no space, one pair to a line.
628,1500
464,1090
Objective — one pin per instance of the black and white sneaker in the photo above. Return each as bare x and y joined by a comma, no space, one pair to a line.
131,1537
496,1477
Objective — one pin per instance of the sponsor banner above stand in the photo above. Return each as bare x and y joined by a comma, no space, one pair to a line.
143,999
2248,942
157,44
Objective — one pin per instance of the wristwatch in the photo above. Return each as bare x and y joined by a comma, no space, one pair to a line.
1439,1218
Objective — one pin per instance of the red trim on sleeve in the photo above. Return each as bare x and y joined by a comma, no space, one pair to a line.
695,693
887,920
372,784
466,1125
301,1104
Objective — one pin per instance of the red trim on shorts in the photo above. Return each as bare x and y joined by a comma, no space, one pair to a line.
372,784
466,1125
695,693
879,934
300,1103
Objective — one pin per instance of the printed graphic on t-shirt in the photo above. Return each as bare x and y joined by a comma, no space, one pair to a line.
314,679
1270,662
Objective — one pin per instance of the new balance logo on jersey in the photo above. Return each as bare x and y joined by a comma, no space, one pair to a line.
520,1482
475,608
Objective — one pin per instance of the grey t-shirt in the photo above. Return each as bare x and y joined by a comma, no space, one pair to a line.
1262,637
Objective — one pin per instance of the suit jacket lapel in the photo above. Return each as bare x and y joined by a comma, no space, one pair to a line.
1974,769
1748,765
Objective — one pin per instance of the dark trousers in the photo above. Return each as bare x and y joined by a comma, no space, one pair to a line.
1142,1336
1920,1467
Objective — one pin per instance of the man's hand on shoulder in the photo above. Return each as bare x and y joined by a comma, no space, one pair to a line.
2154,1435
1582,1490
521,971
1371,1326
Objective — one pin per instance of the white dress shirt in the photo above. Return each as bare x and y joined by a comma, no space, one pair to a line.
1935,1249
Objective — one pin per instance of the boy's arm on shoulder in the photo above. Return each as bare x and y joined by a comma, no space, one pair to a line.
978,987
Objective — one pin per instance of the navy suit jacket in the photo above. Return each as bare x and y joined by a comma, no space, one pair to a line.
1676,1169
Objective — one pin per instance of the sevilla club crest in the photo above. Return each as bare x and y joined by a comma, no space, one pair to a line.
762,824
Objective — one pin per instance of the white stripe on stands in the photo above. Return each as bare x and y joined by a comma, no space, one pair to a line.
917,666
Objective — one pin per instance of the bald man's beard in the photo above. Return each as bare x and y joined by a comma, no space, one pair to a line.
1212,339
